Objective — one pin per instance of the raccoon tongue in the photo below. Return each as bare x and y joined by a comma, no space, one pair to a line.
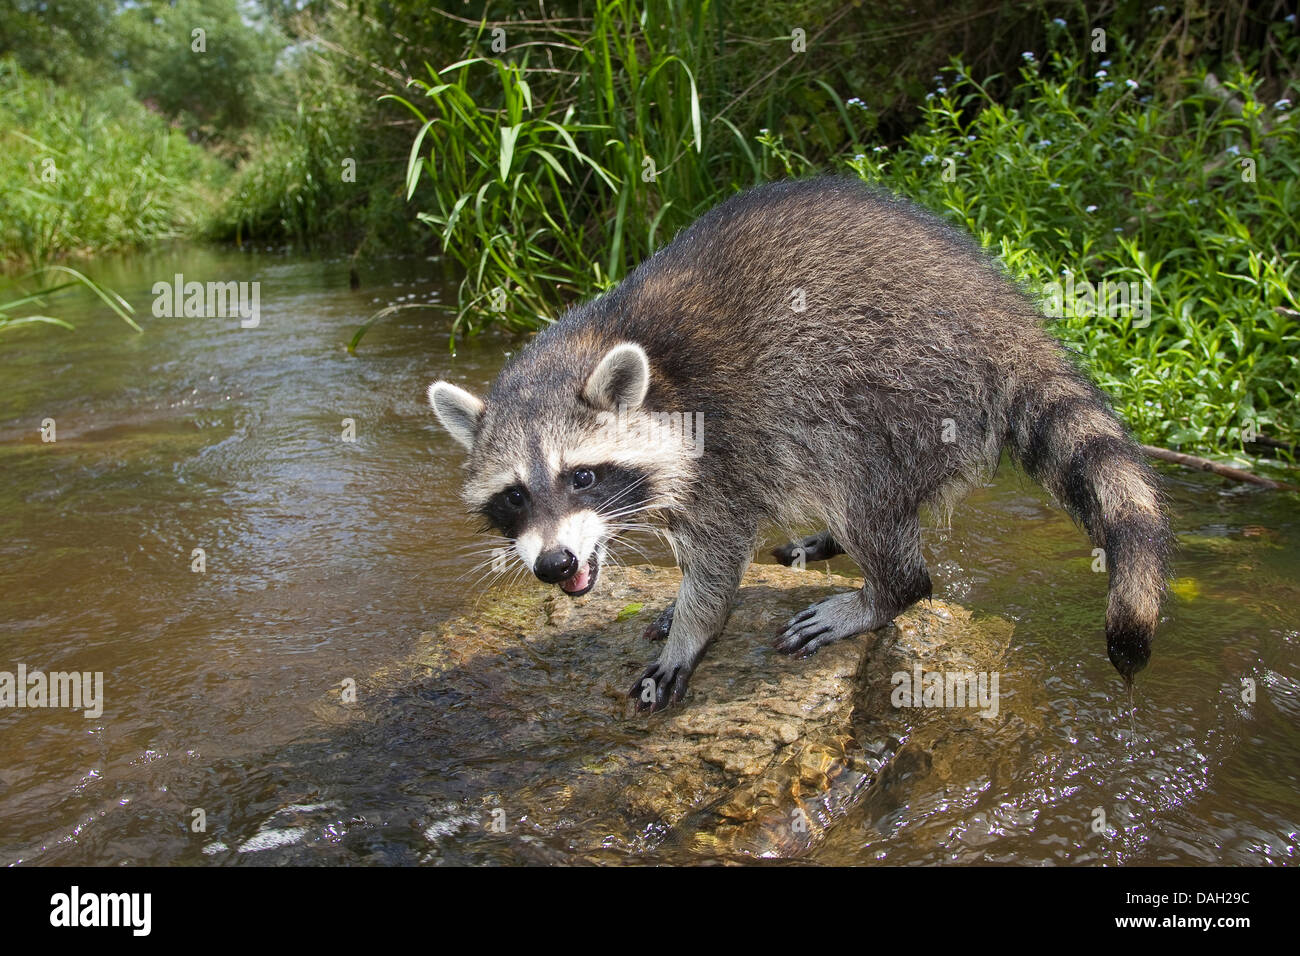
579,580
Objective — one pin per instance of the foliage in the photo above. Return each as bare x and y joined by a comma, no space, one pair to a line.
546,200
1085,170
97,171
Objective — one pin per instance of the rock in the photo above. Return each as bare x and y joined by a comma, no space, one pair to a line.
765,753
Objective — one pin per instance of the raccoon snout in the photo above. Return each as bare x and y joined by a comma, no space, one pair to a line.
556,566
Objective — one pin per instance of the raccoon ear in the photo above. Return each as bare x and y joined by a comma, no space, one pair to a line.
458,410
621,378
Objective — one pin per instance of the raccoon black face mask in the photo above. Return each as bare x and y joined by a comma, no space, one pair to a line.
805,352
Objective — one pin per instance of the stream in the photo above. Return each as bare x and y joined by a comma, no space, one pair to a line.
324,559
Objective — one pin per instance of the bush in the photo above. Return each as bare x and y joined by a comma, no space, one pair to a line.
93,171
1086,172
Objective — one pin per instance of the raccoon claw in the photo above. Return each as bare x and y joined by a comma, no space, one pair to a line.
660,685
661,625
825,622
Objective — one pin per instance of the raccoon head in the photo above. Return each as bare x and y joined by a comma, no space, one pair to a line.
558,461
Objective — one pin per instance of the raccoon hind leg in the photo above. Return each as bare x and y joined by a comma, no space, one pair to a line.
816,547
887,547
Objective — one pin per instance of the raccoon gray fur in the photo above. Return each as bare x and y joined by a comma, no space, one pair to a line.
852,358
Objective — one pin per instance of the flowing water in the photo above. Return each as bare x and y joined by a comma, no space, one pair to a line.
325,559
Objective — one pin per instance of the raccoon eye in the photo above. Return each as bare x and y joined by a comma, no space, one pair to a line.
583,478
514,498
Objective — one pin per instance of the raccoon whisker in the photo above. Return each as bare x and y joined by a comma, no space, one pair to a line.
491,573
656,531
486,555
631,487
621,532
486,574
483,544
651,505
624,543
612,558
632,525
625,492
492,559
483,567
606,507
477,548
496,577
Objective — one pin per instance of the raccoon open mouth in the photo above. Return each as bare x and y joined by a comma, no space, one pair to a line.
583,581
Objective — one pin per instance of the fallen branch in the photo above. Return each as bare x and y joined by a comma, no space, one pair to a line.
1227,471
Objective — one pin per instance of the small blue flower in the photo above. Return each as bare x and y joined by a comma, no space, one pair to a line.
879,149
1059,22
1233,150
1043,143
1282,104
941,90
1090,209
1131,84
1105,86
1099,74
860,157
928,159
970,138
1105,62
1289,18
1055,185
1028,55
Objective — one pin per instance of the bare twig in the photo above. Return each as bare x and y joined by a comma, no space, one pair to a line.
1226,471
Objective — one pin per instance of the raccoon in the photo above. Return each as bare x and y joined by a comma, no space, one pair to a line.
852,359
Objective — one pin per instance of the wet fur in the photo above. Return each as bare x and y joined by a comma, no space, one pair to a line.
834,415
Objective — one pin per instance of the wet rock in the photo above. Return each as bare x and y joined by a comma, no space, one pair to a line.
523,701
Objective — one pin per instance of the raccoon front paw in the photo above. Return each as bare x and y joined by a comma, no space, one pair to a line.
661,684
837,617
661,625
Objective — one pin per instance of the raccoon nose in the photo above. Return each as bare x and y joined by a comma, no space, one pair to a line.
556,566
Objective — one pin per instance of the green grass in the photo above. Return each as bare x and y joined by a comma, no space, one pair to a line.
92,172
546,191
17,313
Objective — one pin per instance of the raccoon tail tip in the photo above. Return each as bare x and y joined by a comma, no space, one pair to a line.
1129,651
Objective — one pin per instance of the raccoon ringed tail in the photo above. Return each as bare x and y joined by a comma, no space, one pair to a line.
1065,436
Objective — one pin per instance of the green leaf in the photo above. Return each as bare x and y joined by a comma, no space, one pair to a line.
630,611
509,134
